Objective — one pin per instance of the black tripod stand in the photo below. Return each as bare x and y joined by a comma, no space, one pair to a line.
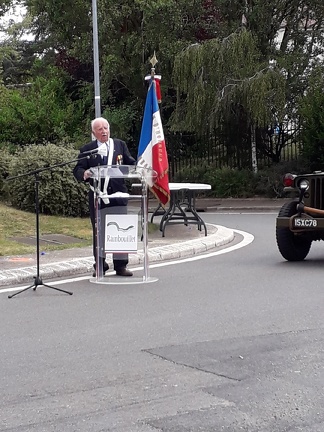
37,279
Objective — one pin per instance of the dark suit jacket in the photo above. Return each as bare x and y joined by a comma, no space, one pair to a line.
115,184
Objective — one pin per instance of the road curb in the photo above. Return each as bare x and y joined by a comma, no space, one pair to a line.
242,208
79,266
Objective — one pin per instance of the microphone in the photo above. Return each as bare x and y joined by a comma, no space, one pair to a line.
90,152
102,150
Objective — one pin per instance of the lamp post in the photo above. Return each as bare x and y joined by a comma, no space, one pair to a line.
96,59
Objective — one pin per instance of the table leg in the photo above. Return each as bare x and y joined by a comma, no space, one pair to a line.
176,215
171,213
192,208
160,210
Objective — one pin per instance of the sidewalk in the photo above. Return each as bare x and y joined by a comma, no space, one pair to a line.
240,204
180,241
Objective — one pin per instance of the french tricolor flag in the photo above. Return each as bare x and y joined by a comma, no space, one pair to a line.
152,153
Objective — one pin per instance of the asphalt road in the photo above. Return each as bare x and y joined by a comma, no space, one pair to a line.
228,342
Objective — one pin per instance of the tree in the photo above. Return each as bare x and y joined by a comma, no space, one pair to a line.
261,67
4,7
220,76
256,87
312,115
40,112
129,33
226,85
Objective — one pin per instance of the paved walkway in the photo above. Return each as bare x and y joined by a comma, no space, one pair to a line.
179,241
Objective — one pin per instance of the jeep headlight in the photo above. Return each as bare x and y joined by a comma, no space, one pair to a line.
303,184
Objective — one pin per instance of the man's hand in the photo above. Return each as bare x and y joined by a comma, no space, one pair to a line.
87,174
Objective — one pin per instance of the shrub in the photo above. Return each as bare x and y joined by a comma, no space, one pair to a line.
229,182
225,182
59,191
40,112
5,158
270,180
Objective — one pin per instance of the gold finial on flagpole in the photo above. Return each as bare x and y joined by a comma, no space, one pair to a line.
153,62
155,79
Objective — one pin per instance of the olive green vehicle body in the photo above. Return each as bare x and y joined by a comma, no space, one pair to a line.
301,220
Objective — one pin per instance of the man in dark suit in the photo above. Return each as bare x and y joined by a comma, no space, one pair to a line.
116,153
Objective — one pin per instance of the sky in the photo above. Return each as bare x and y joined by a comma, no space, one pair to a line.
15,14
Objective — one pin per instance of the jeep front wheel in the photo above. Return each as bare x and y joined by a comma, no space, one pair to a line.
293,247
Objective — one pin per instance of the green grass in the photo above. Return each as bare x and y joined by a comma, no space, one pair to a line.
17,223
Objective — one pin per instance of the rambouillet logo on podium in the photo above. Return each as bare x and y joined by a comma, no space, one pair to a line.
121,234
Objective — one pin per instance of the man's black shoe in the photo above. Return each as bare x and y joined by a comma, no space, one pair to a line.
105,268
123,271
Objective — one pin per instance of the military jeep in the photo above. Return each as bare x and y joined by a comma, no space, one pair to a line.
301,220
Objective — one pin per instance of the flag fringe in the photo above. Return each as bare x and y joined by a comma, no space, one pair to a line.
163,193
165,172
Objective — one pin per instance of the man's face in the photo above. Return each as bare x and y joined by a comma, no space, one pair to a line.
101,131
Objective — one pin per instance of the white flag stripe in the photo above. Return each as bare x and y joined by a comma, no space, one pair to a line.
157,130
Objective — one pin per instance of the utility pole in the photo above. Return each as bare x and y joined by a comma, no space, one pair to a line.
96,59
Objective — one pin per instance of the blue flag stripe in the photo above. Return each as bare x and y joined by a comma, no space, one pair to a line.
151,106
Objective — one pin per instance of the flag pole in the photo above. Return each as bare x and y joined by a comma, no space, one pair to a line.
145,194
152,149
96,59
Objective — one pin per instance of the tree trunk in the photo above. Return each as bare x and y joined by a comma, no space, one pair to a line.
253,151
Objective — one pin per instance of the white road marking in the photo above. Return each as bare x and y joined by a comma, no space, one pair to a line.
247,239
244,212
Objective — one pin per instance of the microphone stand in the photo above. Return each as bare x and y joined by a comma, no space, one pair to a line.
37,279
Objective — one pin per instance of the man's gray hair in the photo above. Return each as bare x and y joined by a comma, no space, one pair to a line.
99,119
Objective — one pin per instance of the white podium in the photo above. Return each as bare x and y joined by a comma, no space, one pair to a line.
120,229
